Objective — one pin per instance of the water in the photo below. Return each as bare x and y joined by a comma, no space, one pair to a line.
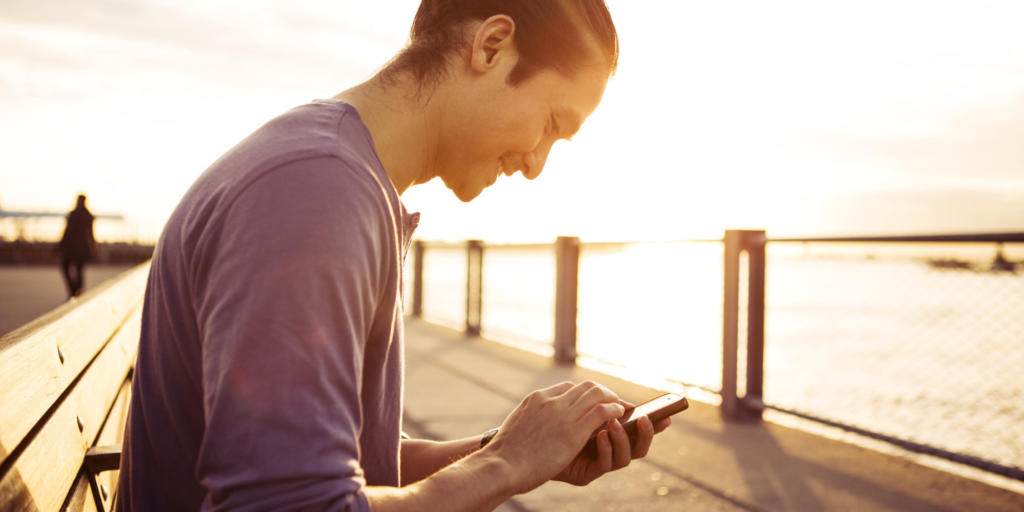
869,336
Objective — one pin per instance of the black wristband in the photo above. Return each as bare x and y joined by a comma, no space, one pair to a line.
488,436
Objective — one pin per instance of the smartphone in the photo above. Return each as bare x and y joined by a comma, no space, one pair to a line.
656,409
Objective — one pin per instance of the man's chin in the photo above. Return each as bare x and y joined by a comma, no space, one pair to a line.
466,194
465,190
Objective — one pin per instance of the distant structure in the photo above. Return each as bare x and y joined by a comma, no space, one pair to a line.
1001,264
19,218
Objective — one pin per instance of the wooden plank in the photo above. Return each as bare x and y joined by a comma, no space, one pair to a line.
44,472
37,363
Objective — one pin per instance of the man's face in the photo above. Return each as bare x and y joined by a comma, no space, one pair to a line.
500,128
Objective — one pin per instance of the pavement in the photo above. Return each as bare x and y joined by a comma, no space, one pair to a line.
458,387
29,291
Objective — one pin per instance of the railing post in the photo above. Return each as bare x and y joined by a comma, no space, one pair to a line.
752,403
754,242
417,278
733,242
567,258
474,286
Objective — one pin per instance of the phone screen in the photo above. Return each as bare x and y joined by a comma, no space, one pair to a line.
646,408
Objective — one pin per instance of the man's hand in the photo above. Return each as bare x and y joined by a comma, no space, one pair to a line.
614,451
542,438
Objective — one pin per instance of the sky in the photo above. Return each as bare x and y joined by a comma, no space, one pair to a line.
799,117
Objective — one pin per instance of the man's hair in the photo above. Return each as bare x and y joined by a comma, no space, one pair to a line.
549,34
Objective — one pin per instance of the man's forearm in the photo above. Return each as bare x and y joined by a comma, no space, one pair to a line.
480,481
422,458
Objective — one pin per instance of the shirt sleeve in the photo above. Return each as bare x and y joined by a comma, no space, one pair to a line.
290,284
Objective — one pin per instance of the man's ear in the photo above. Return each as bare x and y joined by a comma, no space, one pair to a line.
493,41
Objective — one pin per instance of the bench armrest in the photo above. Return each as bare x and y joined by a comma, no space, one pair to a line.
103,458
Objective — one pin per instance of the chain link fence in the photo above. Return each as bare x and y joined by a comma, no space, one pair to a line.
924,344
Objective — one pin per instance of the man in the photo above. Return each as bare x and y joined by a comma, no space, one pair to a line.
76,246
269,374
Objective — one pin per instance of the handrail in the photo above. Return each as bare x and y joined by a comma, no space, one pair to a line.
511,246
1004,237
641,242
519,247
443,245
501,246
969,237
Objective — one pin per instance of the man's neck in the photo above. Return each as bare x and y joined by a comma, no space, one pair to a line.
403,125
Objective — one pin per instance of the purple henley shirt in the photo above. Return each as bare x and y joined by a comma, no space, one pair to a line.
269,373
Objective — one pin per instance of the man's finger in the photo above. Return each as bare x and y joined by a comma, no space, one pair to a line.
644,436
622,452
593,396
557,389
599,414
662,425
573,395
604,453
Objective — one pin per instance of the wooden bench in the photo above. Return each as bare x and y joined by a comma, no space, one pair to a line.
65,381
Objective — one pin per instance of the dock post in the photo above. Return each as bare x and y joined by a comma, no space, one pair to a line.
754,243
733,241
567,258
474,286
417,278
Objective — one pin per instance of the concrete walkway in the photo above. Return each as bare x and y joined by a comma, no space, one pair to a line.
29,291
458,387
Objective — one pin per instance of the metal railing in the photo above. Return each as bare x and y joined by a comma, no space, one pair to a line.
807,365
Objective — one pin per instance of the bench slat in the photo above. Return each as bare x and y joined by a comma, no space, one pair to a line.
47,468
32,375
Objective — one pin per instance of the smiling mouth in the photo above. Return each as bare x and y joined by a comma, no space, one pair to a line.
494,177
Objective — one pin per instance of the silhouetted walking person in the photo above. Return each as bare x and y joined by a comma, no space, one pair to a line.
76,246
